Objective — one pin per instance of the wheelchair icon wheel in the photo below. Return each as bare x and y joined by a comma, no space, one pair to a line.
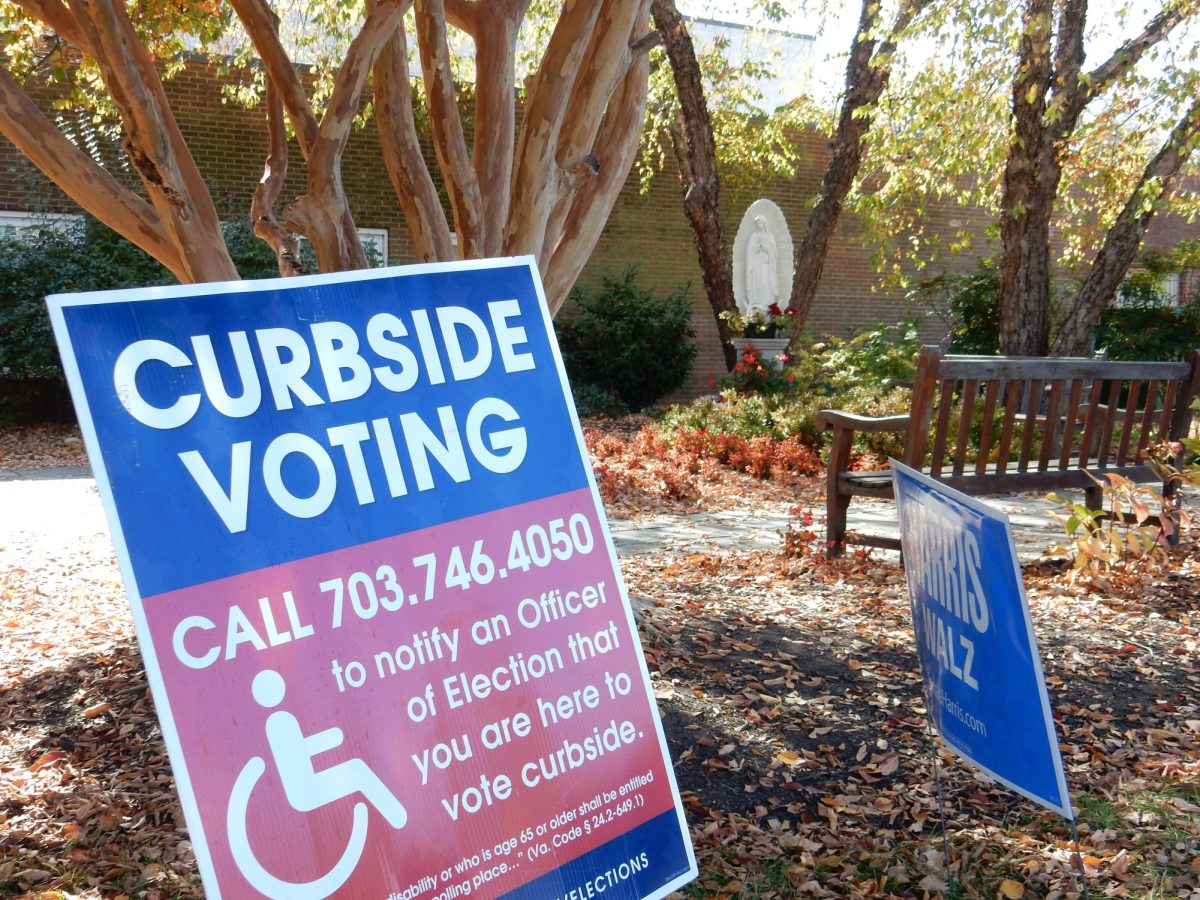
253,871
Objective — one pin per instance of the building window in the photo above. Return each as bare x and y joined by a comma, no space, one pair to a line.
13,222
374,241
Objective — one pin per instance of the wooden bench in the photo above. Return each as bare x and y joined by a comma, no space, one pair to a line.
997,425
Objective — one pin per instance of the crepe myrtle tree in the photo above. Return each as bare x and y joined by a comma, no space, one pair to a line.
544,187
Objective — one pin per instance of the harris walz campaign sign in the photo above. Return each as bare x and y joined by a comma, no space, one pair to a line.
984,684
374,588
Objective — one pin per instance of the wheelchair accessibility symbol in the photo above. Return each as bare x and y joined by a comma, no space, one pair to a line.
306,789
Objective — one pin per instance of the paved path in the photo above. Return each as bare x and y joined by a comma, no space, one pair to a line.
65,500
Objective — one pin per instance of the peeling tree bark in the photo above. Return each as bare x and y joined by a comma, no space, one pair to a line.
402,156
454,159
867,74
1124,239
696,157
549,196
154,143
1050,92
322,214
262,209
537,178
495,27
617,148
81,178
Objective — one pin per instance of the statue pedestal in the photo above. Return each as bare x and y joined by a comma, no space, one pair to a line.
769,349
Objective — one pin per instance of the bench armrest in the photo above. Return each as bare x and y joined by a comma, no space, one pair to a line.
831,418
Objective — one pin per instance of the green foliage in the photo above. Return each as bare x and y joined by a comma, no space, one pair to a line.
1148,330
745,415
862,374
87,257
51,260
627,340
596,401
1145,324
876,357
973,304
1124,536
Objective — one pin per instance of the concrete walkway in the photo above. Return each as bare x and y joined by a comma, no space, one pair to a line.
30,498
1034,530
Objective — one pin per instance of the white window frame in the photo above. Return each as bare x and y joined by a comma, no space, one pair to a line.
14,221
376,237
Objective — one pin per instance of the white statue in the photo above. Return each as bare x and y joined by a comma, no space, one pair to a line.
762,259
762,275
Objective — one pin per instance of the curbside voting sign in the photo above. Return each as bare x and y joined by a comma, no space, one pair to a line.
984,685
374,588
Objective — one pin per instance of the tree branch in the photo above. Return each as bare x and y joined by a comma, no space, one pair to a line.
463,14
449,141
1128,54
402,154
154,142
383,17
1069,54
617,149
536,181
56,15
83,179
495,114
1124,239
600,73
266,195
259,22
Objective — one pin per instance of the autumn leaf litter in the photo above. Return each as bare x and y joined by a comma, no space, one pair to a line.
789,692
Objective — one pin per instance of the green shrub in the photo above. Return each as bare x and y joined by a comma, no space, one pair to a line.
48,261
1147,328
746,415
972,303
86,257
627,340
862,374
596,401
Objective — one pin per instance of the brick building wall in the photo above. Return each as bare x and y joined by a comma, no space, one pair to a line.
647,230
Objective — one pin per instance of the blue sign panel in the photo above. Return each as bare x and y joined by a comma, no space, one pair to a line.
983,675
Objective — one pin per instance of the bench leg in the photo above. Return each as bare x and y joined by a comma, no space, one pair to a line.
836,506
1094,498
836,503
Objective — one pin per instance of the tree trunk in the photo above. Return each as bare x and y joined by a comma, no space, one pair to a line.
1032,173
1050,92
1124,239
868,71
696,156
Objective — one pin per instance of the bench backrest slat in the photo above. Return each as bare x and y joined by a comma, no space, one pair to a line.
1164,419
1051,425
970,388
1033,400
1069,423
1012,401
1043,415
945,407
987,423
1112,400
1153,389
